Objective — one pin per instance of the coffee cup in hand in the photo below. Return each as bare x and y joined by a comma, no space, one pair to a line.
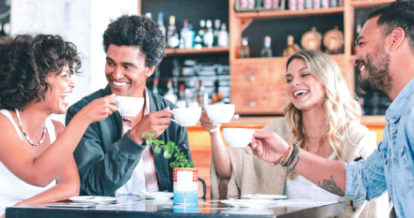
129,106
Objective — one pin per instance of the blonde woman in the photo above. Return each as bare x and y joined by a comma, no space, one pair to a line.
322,117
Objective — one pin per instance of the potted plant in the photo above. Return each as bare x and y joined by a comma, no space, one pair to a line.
185,176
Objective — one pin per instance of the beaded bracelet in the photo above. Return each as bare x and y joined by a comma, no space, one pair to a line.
286,154
290,156
293,164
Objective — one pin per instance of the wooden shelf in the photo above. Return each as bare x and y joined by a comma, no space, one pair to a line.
368,3
287,13
178,51
256,60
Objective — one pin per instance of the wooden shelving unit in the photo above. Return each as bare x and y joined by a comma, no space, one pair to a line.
177,51
269,96
287,13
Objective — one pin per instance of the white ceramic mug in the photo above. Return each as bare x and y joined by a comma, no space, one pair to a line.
129,106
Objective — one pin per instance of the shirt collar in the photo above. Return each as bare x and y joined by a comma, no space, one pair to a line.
401,103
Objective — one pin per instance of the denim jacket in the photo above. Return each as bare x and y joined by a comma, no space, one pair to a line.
391,167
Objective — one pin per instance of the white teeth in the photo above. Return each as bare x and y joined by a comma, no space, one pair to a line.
300,92
362,68
119,83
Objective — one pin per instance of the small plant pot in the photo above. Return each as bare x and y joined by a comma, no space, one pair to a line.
185,186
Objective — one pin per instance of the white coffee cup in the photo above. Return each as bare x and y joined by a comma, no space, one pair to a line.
187,116
129,106
220,113
238,137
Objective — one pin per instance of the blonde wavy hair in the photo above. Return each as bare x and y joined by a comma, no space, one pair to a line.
340,106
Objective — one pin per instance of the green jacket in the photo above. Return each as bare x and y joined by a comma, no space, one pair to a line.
106,158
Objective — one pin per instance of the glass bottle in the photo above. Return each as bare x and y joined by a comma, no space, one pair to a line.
202,31
208,38
155,85
291,47
172,35
202,95
216,31
267,47
223,36
187,35
160,21
244,50
169,95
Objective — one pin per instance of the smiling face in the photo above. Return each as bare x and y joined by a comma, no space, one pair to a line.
372,60
125,70
304,90
61,86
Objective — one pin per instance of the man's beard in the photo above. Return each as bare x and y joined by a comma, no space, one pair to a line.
377,78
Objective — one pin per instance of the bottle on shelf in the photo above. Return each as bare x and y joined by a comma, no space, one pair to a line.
172,35
223,36
217,96
160,21
291,47
202,31
244,50
216,31
170,95
267,4
202,95
187,35
267,50
208,38
148,14
155,86
258,4
181,97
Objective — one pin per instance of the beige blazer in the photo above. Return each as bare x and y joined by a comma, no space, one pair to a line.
253,175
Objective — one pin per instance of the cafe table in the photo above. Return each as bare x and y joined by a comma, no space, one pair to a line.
133,206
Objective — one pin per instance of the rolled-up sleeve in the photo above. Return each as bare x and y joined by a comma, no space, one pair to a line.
365,180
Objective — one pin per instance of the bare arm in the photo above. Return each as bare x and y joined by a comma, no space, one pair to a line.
221,156
328,174
68,185
39,170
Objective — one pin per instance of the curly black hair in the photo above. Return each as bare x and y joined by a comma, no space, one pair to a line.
140,31
26,61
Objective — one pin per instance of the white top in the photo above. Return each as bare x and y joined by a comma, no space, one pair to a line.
12,188
136,184
301,188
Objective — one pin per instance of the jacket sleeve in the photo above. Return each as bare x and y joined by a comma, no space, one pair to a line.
104,166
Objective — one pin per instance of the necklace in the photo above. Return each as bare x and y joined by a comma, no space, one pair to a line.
42,138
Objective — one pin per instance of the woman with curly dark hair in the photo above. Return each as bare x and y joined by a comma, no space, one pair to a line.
36,161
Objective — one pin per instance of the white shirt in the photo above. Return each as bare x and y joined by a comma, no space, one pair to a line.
301,188
137,183
12,188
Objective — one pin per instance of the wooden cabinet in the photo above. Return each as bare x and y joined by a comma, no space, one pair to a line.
257,84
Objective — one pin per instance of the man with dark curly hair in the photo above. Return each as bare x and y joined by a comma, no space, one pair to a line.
36,161
112,156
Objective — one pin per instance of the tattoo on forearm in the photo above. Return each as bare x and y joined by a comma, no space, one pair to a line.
330,185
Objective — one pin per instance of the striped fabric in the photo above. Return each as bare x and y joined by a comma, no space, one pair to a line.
147,155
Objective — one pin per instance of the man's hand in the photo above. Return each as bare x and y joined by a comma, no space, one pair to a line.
268,145
156,122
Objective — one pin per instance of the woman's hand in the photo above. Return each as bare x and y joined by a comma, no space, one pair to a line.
100,108
207,124
268,146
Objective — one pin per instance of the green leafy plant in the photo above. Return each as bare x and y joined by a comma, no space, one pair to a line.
169,149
